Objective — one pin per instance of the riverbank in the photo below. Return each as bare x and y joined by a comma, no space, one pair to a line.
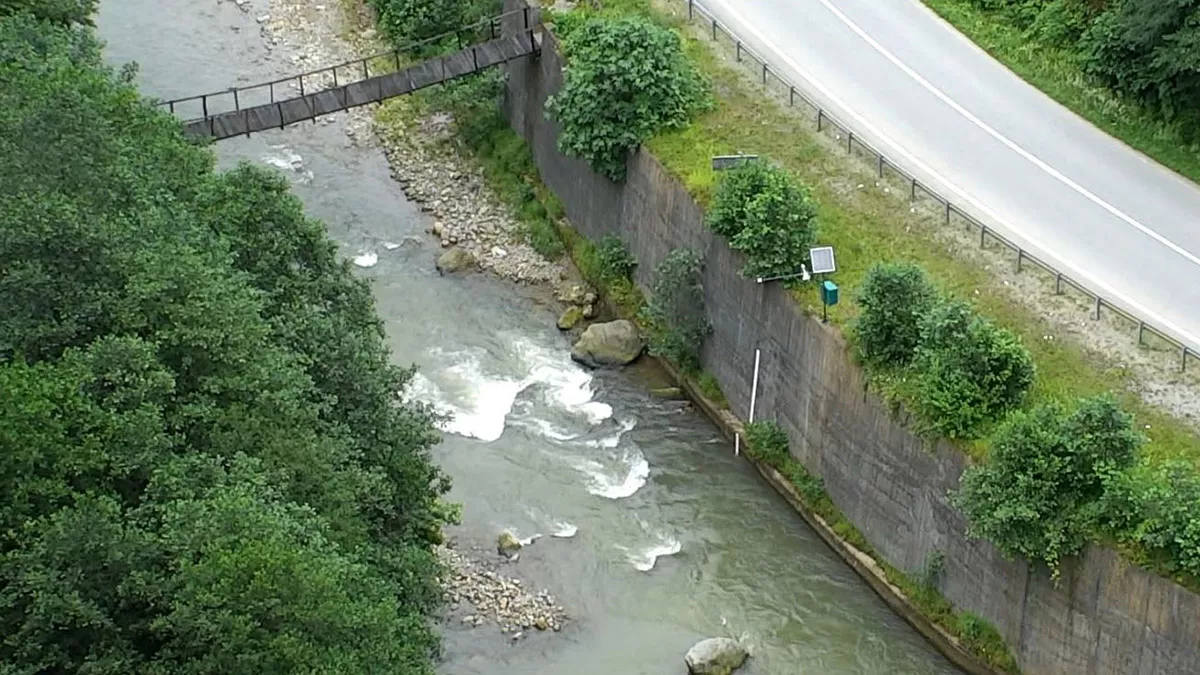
478,592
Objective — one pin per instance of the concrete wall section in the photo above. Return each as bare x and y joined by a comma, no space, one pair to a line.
1105,616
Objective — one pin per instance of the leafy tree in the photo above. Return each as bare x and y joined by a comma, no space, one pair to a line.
206,461
894,298
406,22
59,11
674,315
1149,50
969,372
1042,493
625,81
767,215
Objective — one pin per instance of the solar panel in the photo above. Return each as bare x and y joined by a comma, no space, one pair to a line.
726,162
822,260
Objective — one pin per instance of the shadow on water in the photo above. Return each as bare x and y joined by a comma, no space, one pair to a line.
674,538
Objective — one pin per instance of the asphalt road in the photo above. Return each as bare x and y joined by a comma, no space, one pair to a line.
943,109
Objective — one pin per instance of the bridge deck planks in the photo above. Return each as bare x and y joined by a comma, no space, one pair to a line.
370,90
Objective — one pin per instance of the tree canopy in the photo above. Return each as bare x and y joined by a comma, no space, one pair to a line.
205,462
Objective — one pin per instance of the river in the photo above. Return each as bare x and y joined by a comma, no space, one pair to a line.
674,539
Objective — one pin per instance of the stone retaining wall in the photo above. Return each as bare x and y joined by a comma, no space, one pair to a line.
1105,617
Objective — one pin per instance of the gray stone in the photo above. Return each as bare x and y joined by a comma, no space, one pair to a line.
614,343
507,544
570,318
715,656
455,260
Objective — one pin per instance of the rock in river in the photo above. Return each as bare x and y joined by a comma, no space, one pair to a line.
715,656
570,318
507,544
608,344
454,260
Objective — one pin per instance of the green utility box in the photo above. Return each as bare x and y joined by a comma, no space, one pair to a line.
829,293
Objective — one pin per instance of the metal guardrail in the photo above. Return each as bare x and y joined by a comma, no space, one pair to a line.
823,118
327,77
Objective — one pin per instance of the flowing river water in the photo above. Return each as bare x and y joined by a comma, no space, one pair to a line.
663,536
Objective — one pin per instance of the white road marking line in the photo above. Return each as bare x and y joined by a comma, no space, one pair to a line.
863,123
1012,145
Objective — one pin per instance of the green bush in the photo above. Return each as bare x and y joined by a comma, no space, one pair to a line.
766,214
894,298
1168,519
625,80
1042,493
674,316
767,441
408,21
969,372
614,260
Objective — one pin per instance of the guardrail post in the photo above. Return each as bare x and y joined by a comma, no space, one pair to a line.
948,207
764,72
691,10
301,78
1183,359
739,50
881,165
271,88
714,29
204,105
1141,331
912,193
335,80
1020,257
366,70
1058,283
982,236
171,105
525,16
820,118
1099,301
791,96
849,141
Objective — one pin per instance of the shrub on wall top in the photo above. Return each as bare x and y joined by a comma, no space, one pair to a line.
1042,494
626,80
893,298
766,214
969,371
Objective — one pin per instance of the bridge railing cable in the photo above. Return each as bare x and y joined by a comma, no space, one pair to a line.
205,106
827,122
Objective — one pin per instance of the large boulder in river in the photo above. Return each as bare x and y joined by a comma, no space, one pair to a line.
608,344
715,656
507,544
455,259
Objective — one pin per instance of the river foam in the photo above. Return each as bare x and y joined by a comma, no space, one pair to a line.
645,558
479,400
631,474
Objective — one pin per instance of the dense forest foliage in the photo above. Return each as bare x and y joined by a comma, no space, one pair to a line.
1146,50
206,465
